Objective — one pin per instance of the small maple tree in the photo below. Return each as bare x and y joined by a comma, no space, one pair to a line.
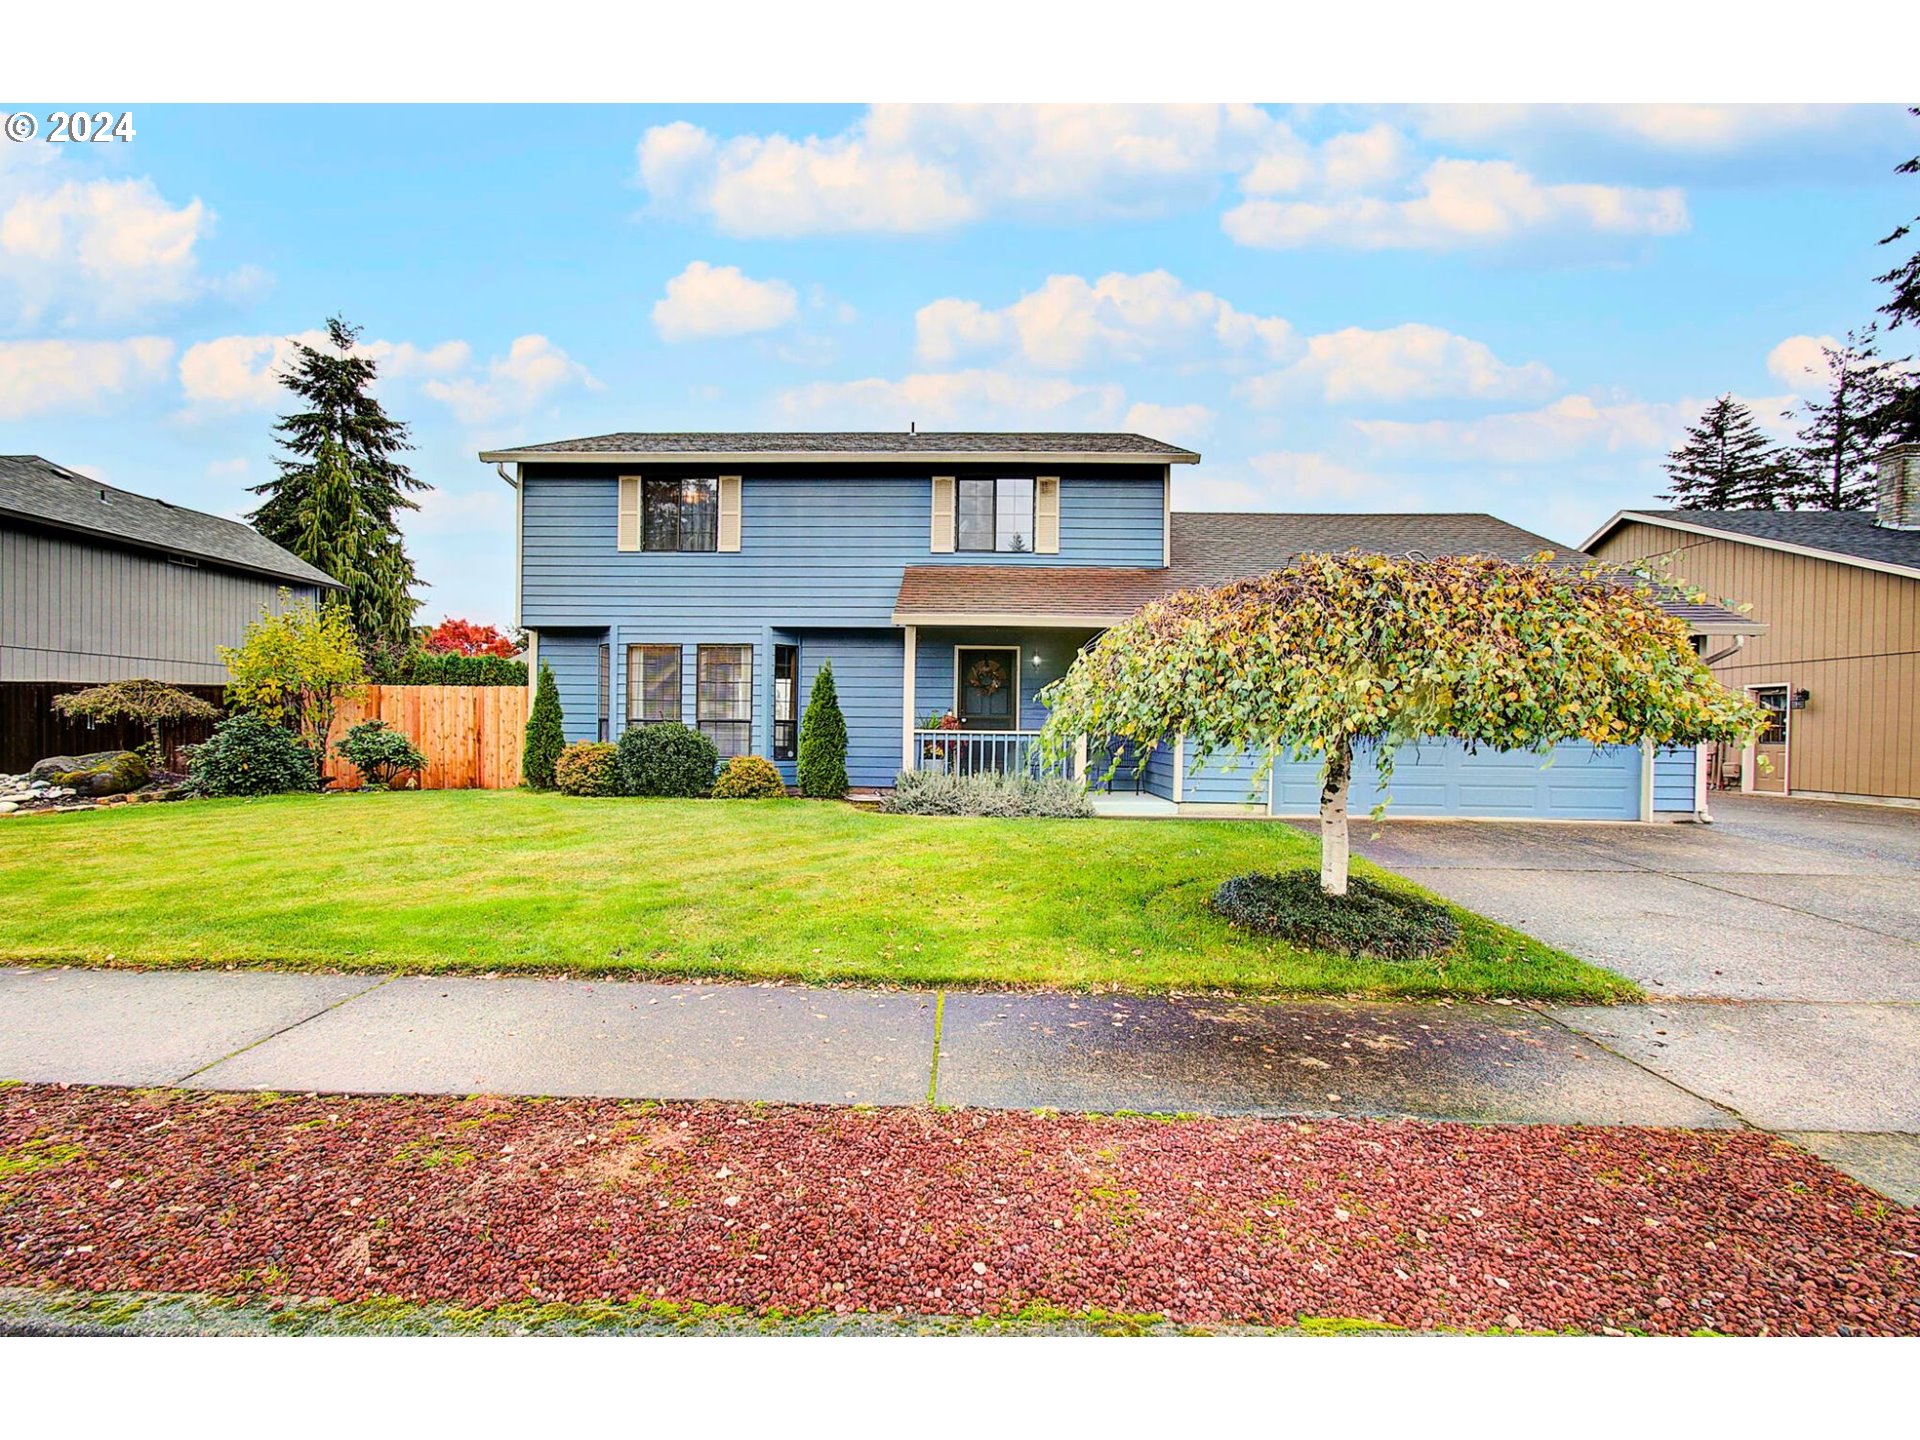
463,637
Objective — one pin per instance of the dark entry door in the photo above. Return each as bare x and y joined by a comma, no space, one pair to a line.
989,688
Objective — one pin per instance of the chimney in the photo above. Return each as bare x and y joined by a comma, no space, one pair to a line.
1899,507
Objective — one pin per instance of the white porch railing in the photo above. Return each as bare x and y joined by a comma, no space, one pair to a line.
985,752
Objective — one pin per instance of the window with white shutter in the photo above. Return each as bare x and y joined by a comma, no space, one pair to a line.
1046,515
942,515
629,536
729,512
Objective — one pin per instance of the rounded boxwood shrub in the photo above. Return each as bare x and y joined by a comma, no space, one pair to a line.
749,777
250,755
588,767
1369,919
667,760
381,754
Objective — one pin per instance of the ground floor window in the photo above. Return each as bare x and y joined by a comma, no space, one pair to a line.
726,697
786,700
653,684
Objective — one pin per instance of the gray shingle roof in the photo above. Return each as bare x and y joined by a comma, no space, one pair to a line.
38,490
1215,548
837,443
1846,534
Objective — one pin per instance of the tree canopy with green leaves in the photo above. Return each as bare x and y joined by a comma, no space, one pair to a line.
1726,462
295,665
147,703
1337,651
341,486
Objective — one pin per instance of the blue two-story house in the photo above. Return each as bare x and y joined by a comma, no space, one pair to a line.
948,578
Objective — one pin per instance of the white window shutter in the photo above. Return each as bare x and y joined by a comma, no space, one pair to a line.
729,513
629,537
1046,515
943,515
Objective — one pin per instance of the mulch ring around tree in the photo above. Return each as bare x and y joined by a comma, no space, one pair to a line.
485,1202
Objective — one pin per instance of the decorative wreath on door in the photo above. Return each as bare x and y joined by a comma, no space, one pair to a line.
987,676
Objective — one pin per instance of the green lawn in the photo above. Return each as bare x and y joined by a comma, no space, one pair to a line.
510,881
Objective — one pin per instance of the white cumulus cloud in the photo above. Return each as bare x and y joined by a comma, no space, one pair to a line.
1799,363
242,372
1406,362
533,370
41,376
1569,426
1071,321
1180,424
1455,204
86,252
705,301
908,169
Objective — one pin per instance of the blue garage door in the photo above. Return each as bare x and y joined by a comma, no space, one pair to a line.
1575,782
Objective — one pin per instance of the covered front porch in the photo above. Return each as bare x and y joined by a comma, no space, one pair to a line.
971,706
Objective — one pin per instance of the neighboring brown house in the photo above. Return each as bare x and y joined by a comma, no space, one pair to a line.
1839,664
97,583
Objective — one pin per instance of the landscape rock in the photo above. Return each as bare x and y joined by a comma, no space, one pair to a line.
108,772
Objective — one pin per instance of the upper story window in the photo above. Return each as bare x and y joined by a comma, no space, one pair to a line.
993,515
680,515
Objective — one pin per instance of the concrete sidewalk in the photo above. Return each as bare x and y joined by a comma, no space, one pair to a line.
378,1034
241,1030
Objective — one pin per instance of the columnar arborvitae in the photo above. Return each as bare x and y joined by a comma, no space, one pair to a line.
1726,463
822,767
1841,434
342,423
546,737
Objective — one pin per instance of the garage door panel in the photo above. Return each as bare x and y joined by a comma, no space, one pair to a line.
1575,782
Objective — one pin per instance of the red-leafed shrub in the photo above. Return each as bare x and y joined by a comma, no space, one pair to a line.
463,637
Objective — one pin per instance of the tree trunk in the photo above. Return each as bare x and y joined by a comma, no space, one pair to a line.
1333,819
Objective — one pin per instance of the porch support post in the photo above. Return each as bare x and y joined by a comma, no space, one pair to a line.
906,698
1701,756
1080,759
1179,767
1646,780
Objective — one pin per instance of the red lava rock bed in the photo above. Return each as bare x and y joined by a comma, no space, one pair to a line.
482,1202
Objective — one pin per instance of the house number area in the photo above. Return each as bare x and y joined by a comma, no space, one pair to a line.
99,127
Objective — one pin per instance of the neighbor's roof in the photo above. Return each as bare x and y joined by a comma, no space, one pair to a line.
1848,536
736,447
1214,549
37,490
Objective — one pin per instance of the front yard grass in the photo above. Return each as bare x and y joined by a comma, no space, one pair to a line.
477,881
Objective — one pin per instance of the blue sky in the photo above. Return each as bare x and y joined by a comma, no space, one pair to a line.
1508,309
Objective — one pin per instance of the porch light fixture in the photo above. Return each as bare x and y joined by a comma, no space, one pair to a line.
1800,699
1036,659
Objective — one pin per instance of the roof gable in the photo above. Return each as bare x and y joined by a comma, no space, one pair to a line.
1846,537
37,490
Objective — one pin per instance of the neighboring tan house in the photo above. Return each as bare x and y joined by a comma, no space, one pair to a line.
97,583
1839,664
706,579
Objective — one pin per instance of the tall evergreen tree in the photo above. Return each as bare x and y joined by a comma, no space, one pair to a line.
1727,463
1841,435
334,382
1901,421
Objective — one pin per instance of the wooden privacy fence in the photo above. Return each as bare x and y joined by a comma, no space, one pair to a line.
470,734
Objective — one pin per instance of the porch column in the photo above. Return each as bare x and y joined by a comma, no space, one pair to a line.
1701,755
906,698
1646,780
1080,759
1179,767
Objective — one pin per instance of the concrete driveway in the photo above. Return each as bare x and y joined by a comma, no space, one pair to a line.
1780,947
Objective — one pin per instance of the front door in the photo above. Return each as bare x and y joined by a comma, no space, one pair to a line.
1771,745
989,687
